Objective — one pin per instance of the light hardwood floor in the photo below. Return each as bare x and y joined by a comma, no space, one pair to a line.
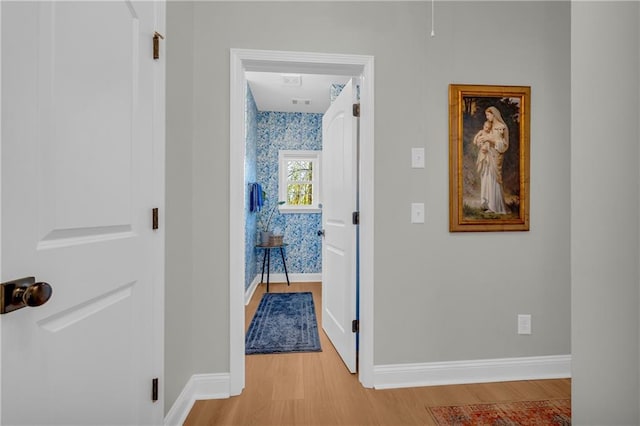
316,389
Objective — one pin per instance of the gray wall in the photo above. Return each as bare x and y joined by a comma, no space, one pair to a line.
439,296
604,221
462,292
180,293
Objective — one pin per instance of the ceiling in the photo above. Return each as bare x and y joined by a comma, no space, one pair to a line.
283,92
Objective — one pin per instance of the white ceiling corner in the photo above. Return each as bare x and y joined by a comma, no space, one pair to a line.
272,94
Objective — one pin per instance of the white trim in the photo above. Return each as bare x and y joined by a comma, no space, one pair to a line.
248,293
475,371
302,210
1,208
238,84
242,60
280,278
199,386
333,1
296,278
366,227
158,199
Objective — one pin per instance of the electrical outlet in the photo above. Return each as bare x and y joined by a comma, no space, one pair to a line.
417,212
524,324
417,158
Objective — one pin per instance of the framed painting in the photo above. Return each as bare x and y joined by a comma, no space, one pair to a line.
489,158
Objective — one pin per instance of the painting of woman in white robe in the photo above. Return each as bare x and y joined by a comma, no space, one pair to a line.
493,142
490,159
489,164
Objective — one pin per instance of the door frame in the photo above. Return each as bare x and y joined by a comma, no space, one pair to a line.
362,66
1,145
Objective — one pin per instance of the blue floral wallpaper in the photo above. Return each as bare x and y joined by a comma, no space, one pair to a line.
266,134
335,91
293,131
251,146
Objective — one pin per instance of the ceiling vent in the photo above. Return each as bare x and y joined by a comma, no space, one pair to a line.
291,80
301,101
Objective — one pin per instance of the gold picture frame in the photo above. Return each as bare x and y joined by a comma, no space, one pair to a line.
489,158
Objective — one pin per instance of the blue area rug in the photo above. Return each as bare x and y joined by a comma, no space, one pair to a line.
284,322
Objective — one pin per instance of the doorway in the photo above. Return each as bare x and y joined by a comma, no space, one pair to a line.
296,153
284,133
307,63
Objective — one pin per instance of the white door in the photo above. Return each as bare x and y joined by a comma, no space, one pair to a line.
80,151
339,201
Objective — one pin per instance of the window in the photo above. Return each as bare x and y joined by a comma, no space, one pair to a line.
299,181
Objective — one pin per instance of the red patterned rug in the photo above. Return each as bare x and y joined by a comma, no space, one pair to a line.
533,413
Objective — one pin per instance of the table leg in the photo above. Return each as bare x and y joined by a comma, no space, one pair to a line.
268,266
264,259
285,266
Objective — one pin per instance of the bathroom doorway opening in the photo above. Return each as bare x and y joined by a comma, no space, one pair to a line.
243,61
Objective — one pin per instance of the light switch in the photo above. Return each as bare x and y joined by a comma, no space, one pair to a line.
417,212
524,324
417,158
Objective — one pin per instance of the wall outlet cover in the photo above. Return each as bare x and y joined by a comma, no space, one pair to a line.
417,212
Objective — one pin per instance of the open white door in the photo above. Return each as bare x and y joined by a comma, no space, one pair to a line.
339,201
82,168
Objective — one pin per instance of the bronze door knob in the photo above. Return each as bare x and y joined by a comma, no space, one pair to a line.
34,295
23,292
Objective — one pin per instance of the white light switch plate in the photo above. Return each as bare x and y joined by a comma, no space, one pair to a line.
417,158
524,324
417,212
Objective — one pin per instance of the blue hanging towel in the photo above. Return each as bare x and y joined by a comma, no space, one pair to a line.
252,197
260,198
255,198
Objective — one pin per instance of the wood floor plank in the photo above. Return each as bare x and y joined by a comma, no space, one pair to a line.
288,383
316,389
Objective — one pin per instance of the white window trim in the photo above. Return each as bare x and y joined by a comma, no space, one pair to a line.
287,155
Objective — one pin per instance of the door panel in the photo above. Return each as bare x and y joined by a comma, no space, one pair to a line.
77,188
85,134
339,200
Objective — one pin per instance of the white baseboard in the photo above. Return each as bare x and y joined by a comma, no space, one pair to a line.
248,294
199,386
280,278
295,278
216,386
475,371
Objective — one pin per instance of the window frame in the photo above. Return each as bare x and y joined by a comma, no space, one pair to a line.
315,157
